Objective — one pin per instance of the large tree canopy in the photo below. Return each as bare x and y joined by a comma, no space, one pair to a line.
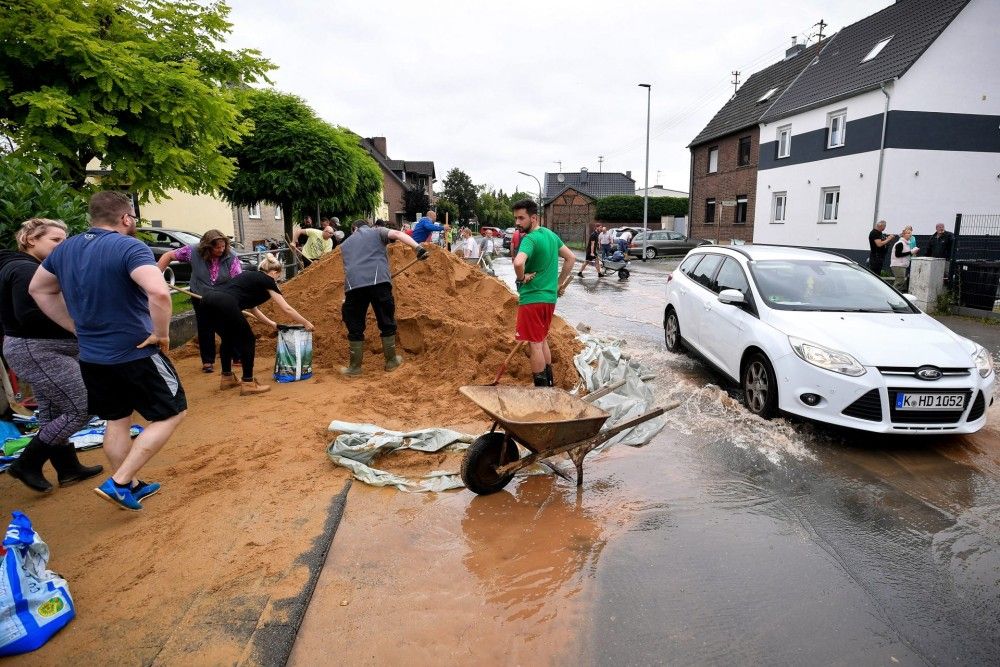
459,189
141,85
294,159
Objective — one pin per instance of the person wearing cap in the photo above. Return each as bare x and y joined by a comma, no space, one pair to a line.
368,284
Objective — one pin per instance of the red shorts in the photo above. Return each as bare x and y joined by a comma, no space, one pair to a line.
533,321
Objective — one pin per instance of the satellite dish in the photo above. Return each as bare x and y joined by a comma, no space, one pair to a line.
561,178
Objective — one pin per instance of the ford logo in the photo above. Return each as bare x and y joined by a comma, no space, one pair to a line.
928,373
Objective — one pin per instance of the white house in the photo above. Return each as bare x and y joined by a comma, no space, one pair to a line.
897,118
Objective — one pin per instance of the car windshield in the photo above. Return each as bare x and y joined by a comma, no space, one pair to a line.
819,285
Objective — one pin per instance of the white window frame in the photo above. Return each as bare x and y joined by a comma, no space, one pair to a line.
778,216
839,117
835,201
253,211
277,213
877,49
785,130
745,200
714,151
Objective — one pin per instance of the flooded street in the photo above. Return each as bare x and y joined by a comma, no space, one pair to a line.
727,539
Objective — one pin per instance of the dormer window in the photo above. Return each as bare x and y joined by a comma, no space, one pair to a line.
877,49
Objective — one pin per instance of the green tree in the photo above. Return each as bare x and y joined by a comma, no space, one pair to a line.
459,189
33,189
445,206
416,202
629,207
296,160
140,85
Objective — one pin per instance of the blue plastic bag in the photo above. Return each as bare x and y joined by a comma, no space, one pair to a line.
34,602
293,360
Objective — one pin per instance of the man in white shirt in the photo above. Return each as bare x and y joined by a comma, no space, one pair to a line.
604,238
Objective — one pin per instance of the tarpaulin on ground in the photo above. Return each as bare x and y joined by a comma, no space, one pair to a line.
601,362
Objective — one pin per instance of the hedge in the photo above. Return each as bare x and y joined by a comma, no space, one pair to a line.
629,207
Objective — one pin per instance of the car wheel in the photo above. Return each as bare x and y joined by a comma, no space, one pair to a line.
650,253
760,387
672,332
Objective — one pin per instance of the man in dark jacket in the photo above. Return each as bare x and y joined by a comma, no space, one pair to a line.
940,243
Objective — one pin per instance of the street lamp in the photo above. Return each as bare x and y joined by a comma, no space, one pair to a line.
524,173
645,194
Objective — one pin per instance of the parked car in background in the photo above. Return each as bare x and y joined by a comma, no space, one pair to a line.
661,242
161,241
497,232
816,335
508,236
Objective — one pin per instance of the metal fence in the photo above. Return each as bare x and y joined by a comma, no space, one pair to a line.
975,268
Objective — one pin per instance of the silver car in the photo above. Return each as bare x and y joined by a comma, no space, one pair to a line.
662,242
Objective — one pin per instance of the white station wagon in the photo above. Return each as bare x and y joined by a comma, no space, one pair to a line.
813,334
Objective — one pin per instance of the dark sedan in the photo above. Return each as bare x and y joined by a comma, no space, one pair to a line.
662,242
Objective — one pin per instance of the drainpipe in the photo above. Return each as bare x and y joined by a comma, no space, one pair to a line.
881,154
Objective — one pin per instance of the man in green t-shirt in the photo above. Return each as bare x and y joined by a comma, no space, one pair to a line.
539,283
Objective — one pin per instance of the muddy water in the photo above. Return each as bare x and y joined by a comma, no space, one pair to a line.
727,539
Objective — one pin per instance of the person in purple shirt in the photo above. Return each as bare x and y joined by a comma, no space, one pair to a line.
427,226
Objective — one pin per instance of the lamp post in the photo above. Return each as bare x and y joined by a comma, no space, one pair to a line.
645,194
524,173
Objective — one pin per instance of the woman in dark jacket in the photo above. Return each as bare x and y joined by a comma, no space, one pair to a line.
45,355
213,263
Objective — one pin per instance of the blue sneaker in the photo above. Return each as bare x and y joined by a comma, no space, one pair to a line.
143,490
117,495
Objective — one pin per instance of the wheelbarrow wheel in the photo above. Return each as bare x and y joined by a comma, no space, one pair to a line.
623,274
479,467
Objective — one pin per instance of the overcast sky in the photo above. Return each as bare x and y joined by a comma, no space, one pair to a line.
500,87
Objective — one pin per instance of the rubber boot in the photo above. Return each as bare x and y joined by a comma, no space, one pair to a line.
548,374
392,360
250,387
68,466
28,466
229,381
357,354
541,379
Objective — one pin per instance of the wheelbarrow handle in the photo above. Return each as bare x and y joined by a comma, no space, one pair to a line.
604,391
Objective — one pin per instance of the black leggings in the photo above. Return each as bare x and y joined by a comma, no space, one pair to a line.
223,314
355,310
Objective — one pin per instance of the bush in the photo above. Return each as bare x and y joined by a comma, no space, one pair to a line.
31,189
629,207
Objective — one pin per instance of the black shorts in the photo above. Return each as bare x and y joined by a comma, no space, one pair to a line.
148,386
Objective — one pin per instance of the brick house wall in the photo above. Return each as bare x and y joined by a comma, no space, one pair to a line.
729,182
571,215
392,194
267,226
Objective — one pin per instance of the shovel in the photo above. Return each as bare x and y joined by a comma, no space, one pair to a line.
503,367
198,296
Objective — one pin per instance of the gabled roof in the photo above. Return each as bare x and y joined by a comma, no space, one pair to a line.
422,168
601,184
561,191
382,160
838,72
745,108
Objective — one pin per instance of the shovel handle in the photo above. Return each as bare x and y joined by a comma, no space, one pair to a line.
506,361
198,296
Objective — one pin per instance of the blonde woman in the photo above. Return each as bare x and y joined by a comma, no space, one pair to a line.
899,262
44,354
223,306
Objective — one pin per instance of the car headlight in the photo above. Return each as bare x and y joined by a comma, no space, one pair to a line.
984,362
825,358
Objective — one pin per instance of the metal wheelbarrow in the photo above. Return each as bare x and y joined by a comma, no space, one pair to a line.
545,420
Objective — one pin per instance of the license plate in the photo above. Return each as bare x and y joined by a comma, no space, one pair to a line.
930,401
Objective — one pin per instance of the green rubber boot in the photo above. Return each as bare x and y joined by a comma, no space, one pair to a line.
392,360
357,353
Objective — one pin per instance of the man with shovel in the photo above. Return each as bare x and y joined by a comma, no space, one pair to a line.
367,282
539,283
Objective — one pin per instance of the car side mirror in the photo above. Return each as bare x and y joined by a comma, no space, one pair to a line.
733,297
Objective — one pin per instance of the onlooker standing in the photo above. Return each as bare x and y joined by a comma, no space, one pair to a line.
590,256
213,262
105,285
368,282
900,260
940,243
604,238
539,284
470,249
515,242
426,226
43,353
878,246
488,248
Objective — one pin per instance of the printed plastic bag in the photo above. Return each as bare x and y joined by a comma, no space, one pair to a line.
294,359
34,602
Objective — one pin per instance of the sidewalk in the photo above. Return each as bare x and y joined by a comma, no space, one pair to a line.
987,335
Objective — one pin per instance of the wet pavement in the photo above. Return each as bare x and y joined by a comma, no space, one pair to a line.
727,540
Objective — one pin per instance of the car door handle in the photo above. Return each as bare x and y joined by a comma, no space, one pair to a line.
708,307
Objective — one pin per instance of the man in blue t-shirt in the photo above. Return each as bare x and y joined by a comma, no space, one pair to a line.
426,226
104,286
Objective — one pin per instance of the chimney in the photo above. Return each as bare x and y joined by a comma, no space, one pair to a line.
795,49
584,175
628,174
379,144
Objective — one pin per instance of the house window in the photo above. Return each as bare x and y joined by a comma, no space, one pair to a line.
836,128
779,202
254,211
277,213
744,154
784,141
830,205
709,211
877,49
741,210
713,159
